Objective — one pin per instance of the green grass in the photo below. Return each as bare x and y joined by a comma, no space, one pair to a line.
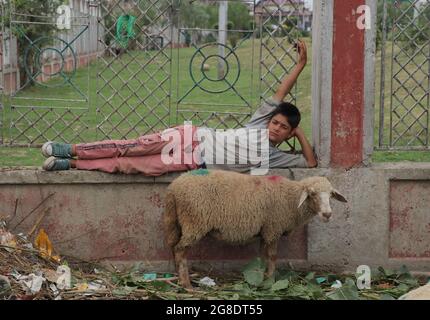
13,156
407,91
154,111
395,156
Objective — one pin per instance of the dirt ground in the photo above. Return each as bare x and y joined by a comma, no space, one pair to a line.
34,271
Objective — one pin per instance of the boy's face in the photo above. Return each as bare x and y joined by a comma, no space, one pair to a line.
279,129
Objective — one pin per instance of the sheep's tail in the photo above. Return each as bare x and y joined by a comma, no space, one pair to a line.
172,229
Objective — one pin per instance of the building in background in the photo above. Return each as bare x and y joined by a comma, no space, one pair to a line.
282,9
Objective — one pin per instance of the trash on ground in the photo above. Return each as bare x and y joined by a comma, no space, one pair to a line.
54,289
321,279
149,276
64,277
7,239
5,287
336,285
32,283
28,273
207,282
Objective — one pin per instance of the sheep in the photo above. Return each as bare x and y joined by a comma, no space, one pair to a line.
238,208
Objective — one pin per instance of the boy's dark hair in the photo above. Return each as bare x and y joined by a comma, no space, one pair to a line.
290,111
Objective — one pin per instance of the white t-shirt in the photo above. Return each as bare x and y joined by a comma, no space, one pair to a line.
227,145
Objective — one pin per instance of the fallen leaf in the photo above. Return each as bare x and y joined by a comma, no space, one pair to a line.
50,275
384,285
254,272
81,287
7,239
44,245
280,285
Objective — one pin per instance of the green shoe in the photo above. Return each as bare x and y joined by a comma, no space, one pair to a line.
56,164
55,149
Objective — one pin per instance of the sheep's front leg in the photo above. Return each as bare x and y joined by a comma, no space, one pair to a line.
270,251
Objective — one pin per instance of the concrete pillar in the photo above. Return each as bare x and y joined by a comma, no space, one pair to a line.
222,36
343,81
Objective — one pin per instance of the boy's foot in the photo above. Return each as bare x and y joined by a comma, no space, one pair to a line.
60,150
55,164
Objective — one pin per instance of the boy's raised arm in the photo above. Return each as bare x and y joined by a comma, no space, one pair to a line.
289,81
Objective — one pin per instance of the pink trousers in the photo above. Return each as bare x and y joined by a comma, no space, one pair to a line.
141,155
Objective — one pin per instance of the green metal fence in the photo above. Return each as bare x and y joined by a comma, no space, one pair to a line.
150,67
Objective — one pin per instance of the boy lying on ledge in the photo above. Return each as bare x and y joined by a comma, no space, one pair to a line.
280,120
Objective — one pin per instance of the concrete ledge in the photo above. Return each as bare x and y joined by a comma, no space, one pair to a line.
116,218
31,175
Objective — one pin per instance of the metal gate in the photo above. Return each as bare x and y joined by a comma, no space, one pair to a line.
41,97
405,75
153,69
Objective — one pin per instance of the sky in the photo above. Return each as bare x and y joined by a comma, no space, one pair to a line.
309,3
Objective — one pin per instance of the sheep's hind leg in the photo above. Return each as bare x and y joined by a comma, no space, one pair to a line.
182,267
188,239
270,251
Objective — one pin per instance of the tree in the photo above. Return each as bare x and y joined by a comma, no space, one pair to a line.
388,21
240,19
26,33
190,14
238,14
399,23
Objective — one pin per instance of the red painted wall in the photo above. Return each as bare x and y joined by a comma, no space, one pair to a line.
348,86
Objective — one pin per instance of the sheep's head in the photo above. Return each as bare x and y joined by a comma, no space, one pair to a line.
317,192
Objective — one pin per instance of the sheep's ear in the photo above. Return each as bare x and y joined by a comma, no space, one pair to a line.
338,196
303,197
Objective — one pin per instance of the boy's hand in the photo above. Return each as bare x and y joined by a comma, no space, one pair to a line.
290,80
296,132
292,134
303,54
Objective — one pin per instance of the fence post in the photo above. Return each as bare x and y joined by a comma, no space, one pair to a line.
343,81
